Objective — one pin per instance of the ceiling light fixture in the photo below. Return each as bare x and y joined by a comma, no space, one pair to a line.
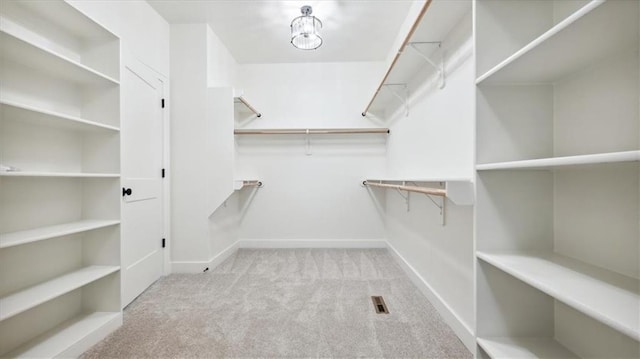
305,30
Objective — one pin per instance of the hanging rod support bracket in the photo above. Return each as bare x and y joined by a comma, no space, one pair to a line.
402,95
438,67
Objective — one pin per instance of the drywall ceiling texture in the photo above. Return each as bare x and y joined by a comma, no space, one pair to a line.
258,31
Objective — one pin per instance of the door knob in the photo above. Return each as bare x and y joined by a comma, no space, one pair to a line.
126,192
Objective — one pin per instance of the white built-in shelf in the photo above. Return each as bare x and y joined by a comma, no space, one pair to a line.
559,162
59,230
26,299
512,348
608,297
46,61
34,114
58,174
592,33
57,341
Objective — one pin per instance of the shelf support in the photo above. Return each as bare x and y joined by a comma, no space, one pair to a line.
439,68
308,145
402,95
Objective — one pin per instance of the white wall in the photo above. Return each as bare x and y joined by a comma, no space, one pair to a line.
317,196
142,30
201,129
436,141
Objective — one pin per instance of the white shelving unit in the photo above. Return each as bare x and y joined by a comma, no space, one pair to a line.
423,54
558,179
60,207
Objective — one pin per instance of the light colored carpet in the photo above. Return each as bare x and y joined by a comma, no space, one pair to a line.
284,303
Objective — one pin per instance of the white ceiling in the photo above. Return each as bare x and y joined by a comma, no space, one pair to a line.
257,31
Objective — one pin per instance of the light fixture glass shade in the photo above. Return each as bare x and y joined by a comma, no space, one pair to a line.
305,31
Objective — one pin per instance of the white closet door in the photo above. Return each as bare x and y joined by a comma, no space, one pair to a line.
142,151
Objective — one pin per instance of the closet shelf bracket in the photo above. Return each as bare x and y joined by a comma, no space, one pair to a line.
438,67
402,95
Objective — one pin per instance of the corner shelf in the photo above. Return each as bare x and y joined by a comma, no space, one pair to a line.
59,174
57,341
559,162
42,116
46,61
508,348
38,234
569,44
26,299
606,296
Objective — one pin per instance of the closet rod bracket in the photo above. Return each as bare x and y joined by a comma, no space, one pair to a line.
438,67
402,95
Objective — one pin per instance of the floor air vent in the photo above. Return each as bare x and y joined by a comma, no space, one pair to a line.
379,305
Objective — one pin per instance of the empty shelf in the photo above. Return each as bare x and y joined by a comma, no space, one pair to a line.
26,299
513,348
57,341
44,60
38,234
608,297
34,114
597,30
59,174
556,162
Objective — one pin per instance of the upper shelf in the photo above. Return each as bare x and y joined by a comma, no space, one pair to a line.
597,30
12,110
608,297
58,174
20,51
422,47
561,162
58,27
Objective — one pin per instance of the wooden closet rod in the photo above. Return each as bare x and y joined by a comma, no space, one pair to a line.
244,102
424,190
395,59
310,131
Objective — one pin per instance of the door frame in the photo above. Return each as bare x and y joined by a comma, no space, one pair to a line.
127,59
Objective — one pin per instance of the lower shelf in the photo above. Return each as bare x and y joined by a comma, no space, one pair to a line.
512,348
608,297
70,338
28,298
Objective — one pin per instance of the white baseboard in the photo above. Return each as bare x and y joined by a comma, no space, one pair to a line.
200,266
312,243
450,317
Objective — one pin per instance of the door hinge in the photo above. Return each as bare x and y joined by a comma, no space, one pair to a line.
163,173
162,103
164,243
